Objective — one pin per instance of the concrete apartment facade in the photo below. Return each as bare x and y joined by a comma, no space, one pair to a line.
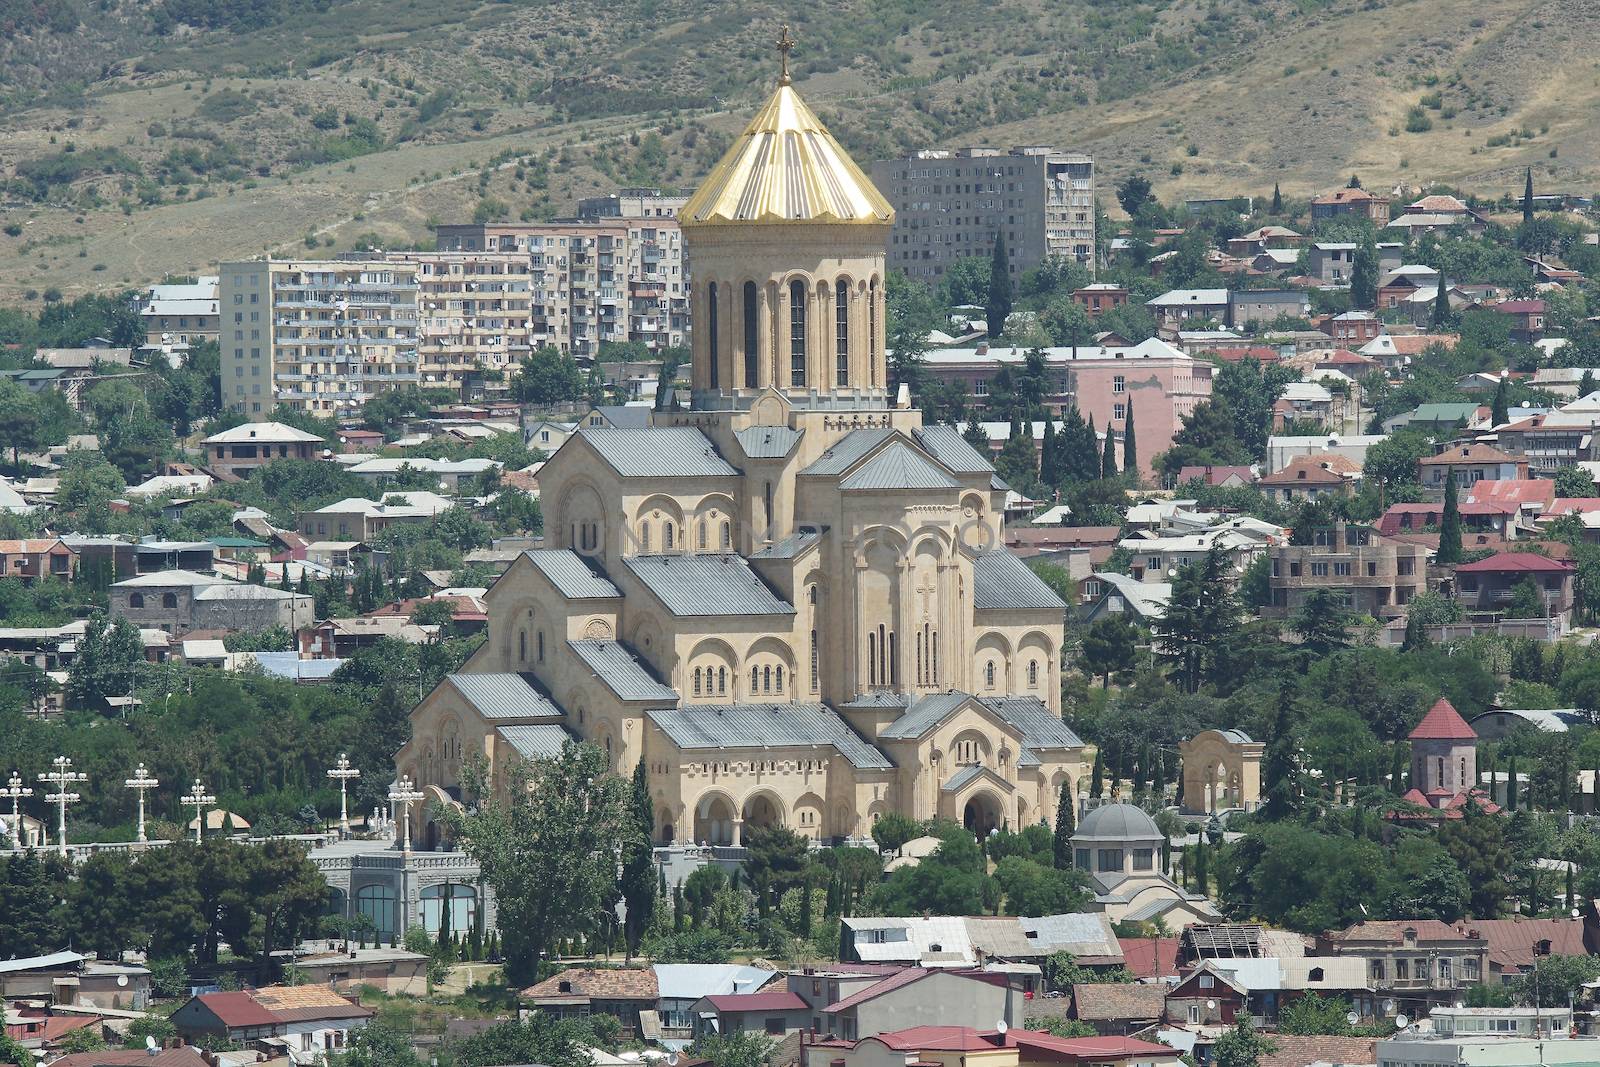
1375,575
1153,380
319,336
472,317
606,279
951,204
180,313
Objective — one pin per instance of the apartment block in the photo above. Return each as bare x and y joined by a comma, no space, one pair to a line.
634,203
180,313
319,336
1370,573
951,204
611,279
473,310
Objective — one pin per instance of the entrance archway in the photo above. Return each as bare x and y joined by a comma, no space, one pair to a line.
762,810
713,821
982,814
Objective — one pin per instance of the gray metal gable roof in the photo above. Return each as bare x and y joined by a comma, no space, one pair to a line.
657,452
722,726
791,546
504,696
624,416
536,741
616,666
767,442
945,444
1041,728
707,585
898,466
571,576
926,713
848,451
1001,581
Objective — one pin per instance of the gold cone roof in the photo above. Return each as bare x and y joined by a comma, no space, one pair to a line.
786,167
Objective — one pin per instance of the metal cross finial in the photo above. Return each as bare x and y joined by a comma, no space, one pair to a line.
342,771
142,782
199,800
61,777
405,793
785,45
16,791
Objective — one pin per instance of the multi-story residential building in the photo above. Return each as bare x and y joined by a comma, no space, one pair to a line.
1375,575
1356,202
1418,963
593,281
1552,440
1105,384
180,313
472,317
1100,297
320,336
634,203
1469,464
951,204
237,451
1248,306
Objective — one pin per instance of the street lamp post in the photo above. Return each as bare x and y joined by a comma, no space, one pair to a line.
62,776
405,793
143,783
16,791
344,773
199,800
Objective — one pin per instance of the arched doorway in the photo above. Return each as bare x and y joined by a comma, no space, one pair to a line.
762,810
713,821
982,814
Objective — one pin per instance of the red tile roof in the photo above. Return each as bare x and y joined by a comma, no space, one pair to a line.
940,1038
1516,562
1442,723
1331,469
1520,307
1392,931
183,1056
1085,1046
1473,453
781,1000
1215,475
1293,1050
1348,196
1564,505
237,1010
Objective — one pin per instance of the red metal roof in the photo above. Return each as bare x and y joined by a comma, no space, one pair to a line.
1443,723
1519,562
1512,941
781,1000
876,989
1150,957
938,1038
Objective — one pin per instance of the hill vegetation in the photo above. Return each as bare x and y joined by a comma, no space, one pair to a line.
148,138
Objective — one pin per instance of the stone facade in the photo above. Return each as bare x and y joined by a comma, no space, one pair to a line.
789,601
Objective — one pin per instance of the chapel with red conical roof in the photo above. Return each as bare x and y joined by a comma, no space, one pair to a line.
1444,758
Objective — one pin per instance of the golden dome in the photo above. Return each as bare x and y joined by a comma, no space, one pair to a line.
786,167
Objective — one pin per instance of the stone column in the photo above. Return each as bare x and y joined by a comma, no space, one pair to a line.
858,336
738,831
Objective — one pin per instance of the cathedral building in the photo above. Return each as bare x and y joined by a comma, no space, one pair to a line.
790,600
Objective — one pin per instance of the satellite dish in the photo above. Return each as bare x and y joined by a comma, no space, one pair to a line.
122,980
672,1060
1400,1022
150,1044
1000,1027
1460,1004
1352,1018
1211,1005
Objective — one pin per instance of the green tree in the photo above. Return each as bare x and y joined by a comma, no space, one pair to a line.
1527,197
1558,980
1067,322
741,1049
1066,826
378,1045
966,282
1277,201
107,663
1130,447
1449,550
1526,601
1108,457
1322,623
893,829
950,881
1200,622
1441,303
997,306
912,313
1241,1047
1097,775
1477,843
1109,647
539,1038
1574,482
1364,276
1079,449
1280,770
775,861
1586,384
1018,458
638,862
1500,410
1030,888
547,376
19,420
1133,193
1313,1014
545,844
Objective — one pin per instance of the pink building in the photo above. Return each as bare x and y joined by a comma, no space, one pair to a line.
1152,379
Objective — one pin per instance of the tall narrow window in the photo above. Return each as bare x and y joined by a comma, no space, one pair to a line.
894,660
701,535
797,334
722,681
872,330
697,681
779,672
752,334
919,659
766,679
755,677
644,537
841,332
936,657
712,329
883,657
816,673
727,535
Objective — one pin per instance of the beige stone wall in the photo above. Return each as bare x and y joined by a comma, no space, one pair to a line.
1220,773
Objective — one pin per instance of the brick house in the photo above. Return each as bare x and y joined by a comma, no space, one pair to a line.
1375,575
1100,297
1469,464
1356,202
32,558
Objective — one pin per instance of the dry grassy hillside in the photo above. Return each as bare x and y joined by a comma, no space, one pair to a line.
141,137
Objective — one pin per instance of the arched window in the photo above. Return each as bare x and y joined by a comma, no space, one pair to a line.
778,678
752,334
540,637
711,329
722,681
463,905
644,537
936,657
872,328
1033,674
766,679
697,681
169,600
841,332
701,534
727,536
872,658
377,902
816,663
136,600
666,536
797,334
522,646
988,674
755,680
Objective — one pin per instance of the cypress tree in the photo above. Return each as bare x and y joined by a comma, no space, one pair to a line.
1501,410
1397,769
1586,383
1200,879
1441,301
1278,771
1097,776
1511,783
1277,200
1050,455
1066,824
1527,197
997,308
1130,447
1108,458
1141,774
677,908
1450,525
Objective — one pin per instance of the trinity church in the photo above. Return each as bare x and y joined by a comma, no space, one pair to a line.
788,600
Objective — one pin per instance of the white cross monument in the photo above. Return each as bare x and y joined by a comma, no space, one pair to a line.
16,791
344,773
199,800
405,793
61,777
142,782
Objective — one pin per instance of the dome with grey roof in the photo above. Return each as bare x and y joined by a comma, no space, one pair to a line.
1117,822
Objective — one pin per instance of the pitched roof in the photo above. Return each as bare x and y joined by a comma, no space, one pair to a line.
1294,1050
848,451
877,989
777,1000
535,741
767,442
305,1002
1041,728
706,585
924,713
184,1056
1393,931
1002,582
945,444
656,452
1150,957
621,671
1473,453
237,1010
504,696
1512,941
1112,1002
1518,562
717,726
571,576
262,433
899,466
1326,469
604,983
1442,723
1517,491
